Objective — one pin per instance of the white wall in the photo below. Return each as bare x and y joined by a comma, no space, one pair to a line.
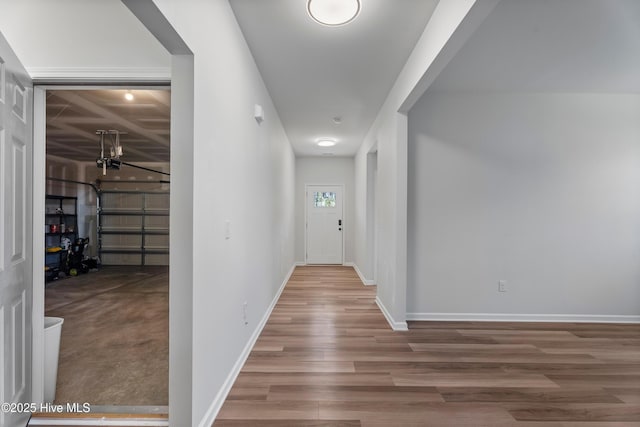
541,190
84,38
322,170
388,135
61,168
243,173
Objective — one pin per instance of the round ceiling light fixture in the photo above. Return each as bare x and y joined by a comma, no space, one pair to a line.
333,13
326,142
128,96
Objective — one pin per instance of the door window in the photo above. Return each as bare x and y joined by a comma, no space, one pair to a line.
324,200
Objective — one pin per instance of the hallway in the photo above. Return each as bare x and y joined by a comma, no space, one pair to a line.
327,357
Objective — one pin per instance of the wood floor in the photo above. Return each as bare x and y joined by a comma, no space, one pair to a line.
115,337
327,357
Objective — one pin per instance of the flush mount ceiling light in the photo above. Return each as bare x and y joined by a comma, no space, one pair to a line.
128,96
326,142
333,12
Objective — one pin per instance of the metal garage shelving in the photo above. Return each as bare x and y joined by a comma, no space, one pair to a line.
61,221
133,223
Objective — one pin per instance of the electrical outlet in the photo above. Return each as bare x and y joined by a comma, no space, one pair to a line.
502,286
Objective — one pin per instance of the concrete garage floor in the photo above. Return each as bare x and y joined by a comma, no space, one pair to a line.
115,338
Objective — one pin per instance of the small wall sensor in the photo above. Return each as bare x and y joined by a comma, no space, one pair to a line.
227,230
258,113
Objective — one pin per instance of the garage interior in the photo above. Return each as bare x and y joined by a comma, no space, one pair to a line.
107,243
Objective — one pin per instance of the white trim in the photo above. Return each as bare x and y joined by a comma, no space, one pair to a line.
110,74
512,317
97,422
101,417
300,263
218,401
396,326
38,206
366,282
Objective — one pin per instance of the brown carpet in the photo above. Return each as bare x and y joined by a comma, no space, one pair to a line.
115,338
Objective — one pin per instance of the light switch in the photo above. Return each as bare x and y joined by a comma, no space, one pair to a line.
227,230
502,286
258,113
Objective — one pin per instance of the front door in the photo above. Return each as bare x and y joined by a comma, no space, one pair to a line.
16,228
324,224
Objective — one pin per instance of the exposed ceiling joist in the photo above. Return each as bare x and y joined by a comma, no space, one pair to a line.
73,116
98,110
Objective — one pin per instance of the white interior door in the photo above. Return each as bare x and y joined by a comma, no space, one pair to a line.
16,228
324,224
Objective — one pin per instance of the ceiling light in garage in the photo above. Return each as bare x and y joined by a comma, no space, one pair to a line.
333,12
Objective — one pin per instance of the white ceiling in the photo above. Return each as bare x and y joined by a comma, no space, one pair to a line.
551,46
74,116
315,73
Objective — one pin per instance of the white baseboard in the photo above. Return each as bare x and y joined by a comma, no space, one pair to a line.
300,263
217,403
511,317
396,326
364,280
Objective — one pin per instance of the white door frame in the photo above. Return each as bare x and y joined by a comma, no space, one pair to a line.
306,195
372,215
375,215
39,192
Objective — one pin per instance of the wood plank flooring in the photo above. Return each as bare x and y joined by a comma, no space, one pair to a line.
327,357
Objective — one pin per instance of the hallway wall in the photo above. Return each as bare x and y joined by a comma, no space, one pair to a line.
541,190
321,170
451,20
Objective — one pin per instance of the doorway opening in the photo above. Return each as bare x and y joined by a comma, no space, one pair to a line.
372,209
324,234
107,244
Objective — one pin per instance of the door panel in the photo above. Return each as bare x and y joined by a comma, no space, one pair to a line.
16,228
324,224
